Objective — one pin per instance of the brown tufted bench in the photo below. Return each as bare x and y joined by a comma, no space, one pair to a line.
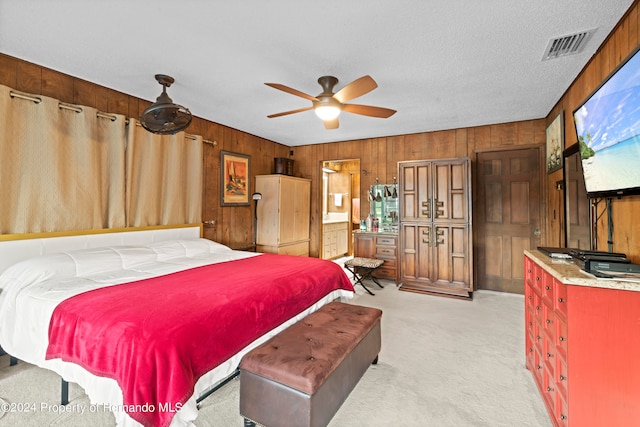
301,376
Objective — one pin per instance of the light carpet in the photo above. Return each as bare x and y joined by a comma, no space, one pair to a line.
444,363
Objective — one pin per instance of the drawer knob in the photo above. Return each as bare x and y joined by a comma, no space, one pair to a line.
549,355
563,378
560,299
562,339
563,417
537,307
538,337
548,287
548,321
537,278
539,366
549,388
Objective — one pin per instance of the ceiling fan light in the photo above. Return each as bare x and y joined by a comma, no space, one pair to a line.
327,112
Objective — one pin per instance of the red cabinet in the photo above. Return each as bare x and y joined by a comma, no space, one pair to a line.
582,344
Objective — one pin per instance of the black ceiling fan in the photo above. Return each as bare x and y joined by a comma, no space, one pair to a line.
163,116
328,105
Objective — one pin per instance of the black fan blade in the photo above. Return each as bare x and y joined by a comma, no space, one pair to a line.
331,124
356,88
368,110
292,91
284,113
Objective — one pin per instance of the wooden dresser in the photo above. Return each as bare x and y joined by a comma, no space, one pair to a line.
379,245
582,343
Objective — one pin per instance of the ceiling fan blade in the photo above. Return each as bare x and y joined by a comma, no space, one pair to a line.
368,110
331,124
292,91
356,88
284,113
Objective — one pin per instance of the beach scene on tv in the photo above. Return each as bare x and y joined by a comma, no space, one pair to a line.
608,129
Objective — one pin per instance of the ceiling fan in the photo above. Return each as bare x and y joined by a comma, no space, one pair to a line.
163,116
328,105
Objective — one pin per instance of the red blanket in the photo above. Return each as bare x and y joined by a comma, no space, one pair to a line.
157,336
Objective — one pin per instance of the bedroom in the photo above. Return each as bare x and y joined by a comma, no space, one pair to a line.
379,155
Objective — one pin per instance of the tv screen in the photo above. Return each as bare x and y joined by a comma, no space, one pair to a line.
608,129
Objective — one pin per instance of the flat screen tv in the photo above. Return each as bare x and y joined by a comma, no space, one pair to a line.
608,128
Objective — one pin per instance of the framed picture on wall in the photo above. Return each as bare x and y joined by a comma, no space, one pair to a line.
234,179
555,143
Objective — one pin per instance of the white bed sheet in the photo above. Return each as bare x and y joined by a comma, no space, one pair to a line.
30,290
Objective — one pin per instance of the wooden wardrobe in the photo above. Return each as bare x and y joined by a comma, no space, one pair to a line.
435,231
283,214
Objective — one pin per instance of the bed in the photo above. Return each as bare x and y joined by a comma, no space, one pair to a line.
147,321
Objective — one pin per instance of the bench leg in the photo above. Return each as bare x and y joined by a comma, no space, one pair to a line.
64,393
358,278
249,423
13,361
375,361
365,288
376,282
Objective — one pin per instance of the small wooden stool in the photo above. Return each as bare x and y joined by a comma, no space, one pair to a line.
362,268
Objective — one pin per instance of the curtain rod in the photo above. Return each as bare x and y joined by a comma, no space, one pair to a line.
100,114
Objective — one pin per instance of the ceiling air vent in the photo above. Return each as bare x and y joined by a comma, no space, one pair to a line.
567,45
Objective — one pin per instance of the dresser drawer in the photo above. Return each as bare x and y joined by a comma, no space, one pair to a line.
388,262
562,410
561,376
385,251
536,278
561,335
548,322
385,273
548,283
387,241
560,299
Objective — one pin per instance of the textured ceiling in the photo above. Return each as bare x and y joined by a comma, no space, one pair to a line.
441,64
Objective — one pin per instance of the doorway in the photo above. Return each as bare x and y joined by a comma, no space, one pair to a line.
340,206
507,216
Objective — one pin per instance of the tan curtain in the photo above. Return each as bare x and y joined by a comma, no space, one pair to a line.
59,169
164,177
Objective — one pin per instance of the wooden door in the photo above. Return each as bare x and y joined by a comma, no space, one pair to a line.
450,191
507,216
451,260
415,187
415,253
287,212
301,197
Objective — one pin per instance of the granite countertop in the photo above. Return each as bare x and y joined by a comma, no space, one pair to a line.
333,221
395,233
335,217
566,271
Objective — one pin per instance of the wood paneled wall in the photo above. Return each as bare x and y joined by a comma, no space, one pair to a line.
379,157
626,211
229,225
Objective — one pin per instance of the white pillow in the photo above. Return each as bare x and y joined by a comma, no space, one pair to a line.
190,248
